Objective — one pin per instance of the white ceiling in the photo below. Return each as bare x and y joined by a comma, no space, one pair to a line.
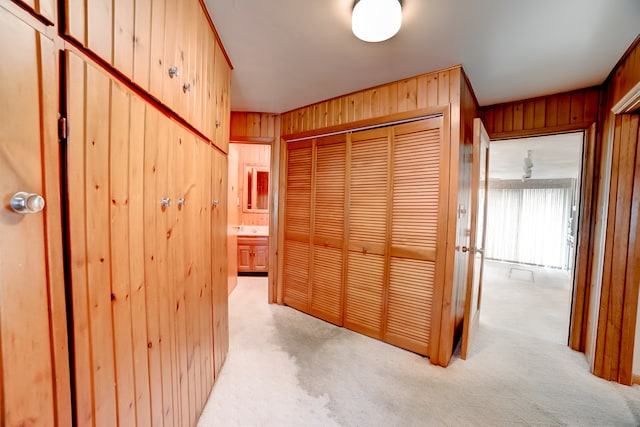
291,53
553,157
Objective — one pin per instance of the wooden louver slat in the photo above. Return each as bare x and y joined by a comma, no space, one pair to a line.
364,294
411,284
296,274
298,222
326,296
328,226
298,192
368,208
416,189
329,212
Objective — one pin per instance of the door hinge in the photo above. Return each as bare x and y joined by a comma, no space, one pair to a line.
62,128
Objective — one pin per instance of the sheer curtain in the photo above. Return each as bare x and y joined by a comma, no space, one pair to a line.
529,225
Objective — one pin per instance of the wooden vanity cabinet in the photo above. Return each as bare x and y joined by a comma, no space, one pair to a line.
253,254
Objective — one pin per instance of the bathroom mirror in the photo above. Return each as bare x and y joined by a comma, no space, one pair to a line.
256,189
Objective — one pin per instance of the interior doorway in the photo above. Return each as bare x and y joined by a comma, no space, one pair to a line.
248,214
531,234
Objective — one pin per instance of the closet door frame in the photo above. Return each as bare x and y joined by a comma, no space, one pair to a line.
442,298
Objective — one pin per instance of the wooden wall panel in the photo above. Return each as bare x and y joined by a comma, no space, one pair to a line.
137,261
563,112
123,35
141,40
403,96
616,324
253,127
149,306
155,130
119,239
221,99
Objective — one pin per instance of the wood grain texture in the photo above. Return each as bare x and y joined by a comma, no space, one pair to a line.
445,90
248,126
371,203
35,381
617,306
562,112
139,40
425,90
144,287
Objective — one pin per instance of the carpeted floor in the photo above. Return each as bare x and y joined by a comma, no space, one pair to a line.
288,369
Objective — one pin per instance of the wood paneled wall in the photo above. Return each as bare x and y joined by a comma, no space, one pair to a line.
575,110
614,345
253,127
427,90
149,308
143,39
446,90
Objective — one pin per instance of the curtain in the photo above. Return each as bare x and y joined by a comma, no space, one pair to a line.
529,225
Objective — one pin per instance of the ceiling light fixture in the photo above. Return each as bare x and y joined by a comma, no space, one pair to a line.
376,20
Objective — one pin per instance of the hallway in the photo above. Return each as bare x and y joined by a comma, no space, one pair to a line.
285,368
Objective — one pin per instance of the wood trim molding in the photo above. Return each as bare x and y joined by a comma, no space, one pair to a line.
554,130
252,139
363,124
629,103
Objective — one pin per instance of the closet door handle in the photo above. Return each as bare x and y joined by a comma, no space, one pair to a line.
26,203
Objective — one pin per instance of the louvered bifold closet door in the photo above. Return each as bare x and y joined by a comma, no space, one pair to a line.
328,229
297,219
367,219
414,233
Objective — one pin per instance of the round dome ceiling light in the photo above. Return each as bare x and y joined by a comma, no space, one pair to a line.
376,20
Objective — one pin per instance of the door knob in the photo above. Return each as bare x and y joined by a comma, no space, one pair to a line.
26,203
465,249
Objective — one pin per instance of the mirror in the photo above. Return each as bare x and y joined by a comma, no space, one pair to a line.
256,189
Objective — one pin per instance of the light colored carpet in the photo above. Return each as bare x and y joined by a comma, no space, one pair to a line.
286,368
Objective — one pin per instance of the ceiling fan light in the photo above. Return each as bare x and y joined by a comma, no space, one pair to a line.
376,20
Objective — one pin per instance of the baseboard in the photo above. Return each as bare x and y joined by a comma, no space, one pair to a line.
635,379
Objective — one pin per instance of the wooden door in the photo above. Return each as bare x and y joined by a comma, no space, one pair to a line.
220,171
367,219
297,219
244,257
328,229
415,213
34,369
261,258
479,186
